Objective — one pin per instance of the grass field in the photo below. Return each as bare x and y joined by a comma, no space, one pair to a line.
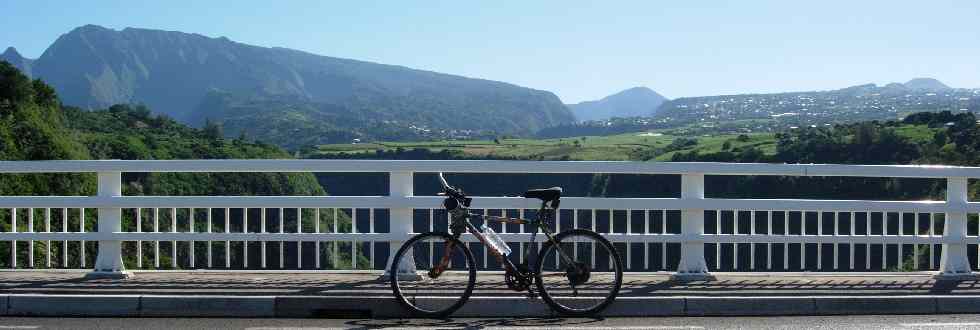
630,146
615,147
917,133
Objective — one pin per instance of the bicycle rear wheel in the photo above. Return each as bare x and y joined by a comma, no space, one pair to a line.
433,274
581,274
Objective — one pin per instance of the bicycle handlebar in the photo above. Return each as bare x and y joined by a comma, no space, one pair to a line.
443,180
449,190
453,194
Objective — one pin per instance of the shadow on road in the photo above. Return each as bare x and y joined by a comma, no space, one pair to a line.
473,323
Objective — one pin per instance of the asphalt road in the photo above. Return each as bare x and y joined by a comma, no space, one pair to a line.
667,323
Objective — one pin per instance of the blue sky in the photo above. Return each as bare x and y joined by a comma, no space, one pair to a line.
580,50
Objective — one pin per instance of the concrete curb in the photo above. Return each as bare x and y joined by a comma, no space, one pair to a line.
204,306
876,305
73,305
338,307
947,304
382,306
718,306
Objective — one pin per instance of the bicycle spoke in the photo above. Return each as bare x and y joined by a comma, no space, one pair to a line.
587,276
432,287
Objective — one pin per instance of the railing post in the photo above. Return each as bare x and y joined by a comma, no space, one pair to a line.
400,184
108,263
692,266
954,262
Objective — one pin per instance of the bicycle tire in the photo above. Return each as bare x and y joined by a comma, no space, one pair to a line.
547,297
395,281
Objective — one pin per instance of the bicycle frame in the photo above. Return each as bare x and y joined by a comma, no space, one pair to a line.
459,212
508,265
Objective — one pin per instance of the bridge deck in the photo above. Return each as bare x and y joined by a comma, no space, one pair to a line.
367,284
258,294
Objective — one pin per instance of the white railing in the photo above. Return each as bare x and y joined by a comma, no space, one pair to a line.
653,234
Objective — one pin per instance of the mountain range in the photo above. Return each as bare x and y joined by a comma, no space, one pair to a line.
633,102
183,75
297,99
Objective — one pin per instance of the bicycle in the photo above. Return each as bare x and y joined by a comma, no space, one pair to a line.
577,272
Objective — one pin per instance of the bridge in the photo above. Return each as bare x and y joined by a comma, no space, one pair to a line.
685,251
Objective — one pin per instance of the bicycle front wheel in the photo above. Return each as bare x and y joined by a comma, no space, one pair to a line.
580,273
433,274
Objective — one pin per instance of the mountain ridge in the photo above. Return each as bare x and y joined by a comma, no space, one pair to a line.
12,56
631,102
172,72
797,109
926,83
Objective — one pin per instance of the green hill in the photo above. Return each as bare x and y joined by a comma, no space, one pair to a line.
34,126
846,105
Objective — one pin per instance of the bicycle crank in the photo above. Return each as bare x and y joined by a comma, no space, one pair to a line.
519,279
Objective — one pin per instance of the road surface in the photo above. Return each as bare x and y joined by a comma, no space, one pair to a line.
665,323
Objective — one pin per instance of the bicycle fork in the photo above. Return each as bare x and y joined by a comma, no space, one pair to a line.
443,262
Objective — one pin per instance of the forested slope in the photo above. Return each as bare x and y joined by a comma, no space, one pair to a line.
35,126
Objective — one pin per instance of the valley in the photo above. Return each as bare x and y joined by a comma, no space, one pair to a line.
655,145
298,101
631,146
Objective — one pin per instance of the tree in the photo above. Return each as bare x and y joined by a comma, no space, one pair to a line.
681,143
15,87
44,95
212,130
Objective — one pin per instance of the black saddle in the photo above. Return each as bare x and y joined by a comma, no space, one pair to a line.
548,195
